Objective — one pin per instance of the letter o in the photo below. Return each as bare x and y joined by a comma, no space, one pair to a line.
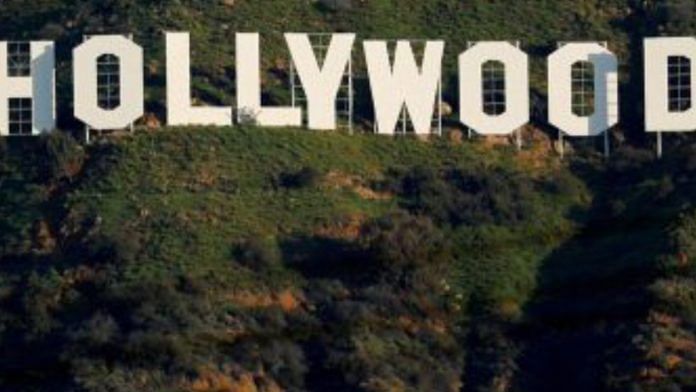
85,82
472,89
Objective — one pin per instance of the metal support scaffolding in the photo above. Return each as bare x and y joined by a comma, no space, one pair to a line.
345,105
561,144
659,145
518,132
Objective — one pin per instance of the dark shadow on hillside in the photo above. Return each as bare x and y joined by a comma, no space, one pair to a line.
327,258
592,291
319,377
640,25
32,196
329,264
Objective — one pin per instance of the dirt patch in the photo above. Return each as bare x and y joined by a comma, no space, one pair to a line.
664,320
207,177
537,147
537,150
347,228
43,239
413,326
210,381
340,180
287,300
680,344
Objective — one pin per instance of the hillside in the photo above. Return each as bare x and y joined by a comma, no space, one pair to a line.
201,260
332,250
248,259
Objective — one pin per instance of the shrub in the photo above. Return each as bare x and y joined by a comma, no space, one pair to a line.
259,254
40,301
684,236
677,296
3,158
401,242
63,156
665,187
676,15
305,177
629,159
563,183
154,349
121,246
466,196
98,331
335,5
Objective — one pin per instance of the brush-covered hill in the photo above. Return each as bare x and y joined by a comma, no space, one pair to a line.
250,259
208,260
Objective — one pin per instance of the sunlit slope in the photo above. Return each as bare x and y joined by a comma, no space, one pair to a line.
191,194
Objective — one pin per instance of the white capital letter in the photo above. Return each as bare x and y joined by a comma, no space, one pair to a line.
510,93
179,108
38,85
249,88
404,83
131,82
606,96
321,84
668,108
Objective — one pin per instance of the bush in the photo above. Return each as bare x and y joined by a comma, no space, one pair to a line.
684,236
96,332
676,296
401,242
466,196
40,299
676,15
335,5
629,160
3,158
305,177
259,254
122,246
63,156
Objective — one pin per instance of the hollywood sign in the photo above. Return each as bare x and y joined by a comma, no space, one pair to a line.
108,82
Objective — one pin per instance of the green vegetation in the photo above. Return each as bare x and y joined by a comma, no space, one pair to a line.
176,257
250,259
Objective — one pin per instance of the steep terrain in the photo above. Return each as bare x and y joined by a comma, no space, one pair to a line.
174,259
250,259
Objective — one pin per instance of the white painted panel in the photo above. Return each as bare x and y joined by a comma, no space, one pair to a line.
249,87
40,86
321,82
516,88
560,89
658,118
130,57
404,83
180,110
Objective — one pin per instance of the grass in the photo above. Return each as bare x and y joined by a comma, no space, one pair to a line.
190,195
182,199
